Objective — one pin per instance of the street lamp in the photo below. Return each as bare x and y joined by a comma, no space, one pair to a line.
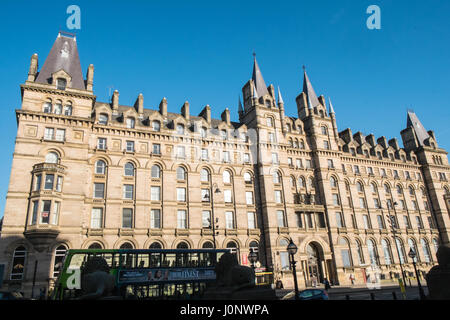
412,255
395,239
253,257
292,250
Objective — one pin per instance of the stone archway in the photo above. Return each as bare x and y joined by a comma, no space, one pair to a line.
314,264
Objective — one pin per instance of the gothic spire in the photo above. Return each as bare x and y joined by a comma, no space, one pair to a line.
280,98
331,106
258,79
309,91
414,122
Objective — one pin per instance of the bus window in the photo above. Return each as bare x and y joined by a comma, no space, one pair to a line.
168,260
155,260
77,260
143,260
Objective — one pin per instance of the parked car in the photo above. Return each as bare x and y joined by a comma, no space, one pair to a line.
6,295
313,294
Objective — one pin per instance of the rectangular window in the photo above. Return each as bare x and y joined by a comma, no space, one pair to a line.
356,169
55,213
181,194
99,190
130,146
205,195
419,222
376,203
326,145
127,218
60,135
430,222
101,143
204,154
280,219
206,219
229,220
181,152
299,220
45,213
59,184
278,198
97,218
37,186
308,164
415,206
48,133
155,194
181,219
128,191
362,203
355,225
249,197
226,156
49,179
366,221
156,148
246,157
155,219
274,158
227,196
407,223
35,212
251,220
299,163
284,259
330,164
271,137
380,222
370,170
336,199
345,258
339,220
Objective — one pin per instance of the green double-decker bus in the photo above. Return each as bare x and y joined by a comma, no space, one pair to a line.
144,274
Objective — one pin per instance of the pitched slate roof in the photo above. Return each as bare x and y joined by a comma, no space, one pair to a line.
414,122
258,79
309,91
63,55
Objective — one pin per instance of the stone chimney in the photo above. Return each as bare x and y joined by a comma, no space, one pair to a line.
185,110
139,105
226,116
90,78
206,113
115,101
163,107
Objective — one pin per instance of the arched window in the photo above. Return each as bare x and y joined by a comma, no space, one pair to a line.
68,109
387,189
48,106
233,248
426,250
399,190
181,173
60,253
254,247
58,107
333,182
51,157
129,169
226,176
301,182
412,245
372,252
156,172
345,253
401,249
204,175
359,187
208,245
360,252
296,143
435,245
387,251
100,167
374,188
269,120
183,245
302,144
95,245
18,264
155,245
248,177
126,245
292,180
324,130
276,177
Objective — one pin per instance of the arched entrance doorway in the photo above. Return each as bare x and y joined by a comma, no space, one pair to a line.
314,270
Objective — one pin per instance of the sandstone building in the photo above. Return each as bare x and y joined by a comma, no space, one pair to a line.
91,174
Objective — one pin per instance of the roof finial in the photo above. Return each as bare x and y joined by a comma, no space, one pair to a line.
304,68
280,98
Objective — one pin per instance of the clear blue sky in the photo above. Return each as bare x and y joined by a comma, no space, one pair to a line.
201,51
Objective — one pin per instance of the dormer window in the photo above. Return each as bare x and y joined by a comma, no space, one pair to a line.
103,119
203,132
156,126
353,151
223,134
130,123
61,84
180,129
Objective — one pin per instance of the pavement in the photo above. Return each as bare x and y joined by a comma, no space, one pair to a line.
362,292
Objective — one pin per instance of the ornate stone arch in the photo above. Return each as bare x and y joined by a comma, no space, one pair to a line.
177,241
90,241
123,240
159,240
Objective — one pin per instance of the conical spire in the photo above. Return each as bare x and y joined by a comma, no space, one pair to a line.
240,109
309,91
280,98
258,79
414,122
331,106
63,56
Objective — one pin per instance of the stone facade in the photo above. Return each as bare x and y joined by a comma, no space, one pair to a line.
92,174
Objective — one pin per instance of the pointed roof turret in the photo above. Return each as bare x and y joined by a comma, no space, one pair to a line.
240,109
309,91
414,122
63,56
258,79
280,98
331,106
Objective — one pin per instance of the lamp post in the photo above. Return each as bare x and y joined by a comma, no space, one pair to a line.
395,239
252,257
292,250
217,191
412,255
